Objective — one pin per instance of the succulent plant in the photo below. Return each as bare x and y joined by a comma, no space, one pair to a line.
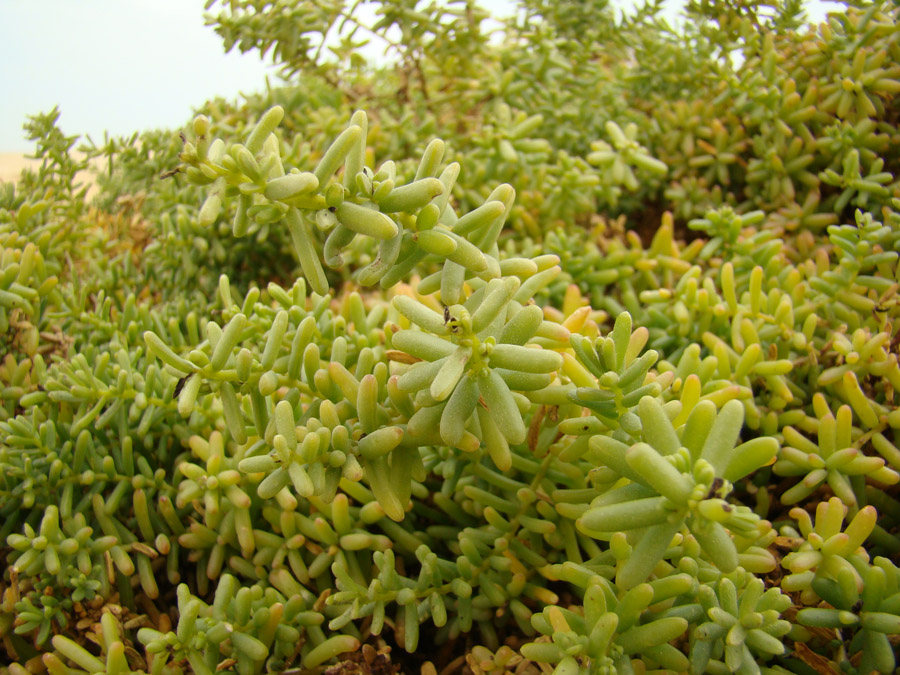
870,614
543,341
826,550
743,628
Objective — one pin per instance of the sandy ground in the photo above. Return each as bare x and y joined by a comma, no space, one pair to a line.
11,165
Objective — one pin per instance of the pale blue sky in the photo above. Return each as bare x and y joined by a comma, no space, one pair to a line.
127,65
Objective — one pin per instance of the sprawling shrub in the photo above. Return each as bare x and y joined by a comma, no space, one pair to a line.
559,343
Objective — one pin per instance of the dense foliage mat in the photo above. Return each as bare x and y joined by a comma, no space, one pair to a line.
567,347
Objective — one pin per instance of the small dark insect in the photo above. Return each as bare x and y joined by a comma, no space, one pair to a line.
448,318
714,488
332,208
180,385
